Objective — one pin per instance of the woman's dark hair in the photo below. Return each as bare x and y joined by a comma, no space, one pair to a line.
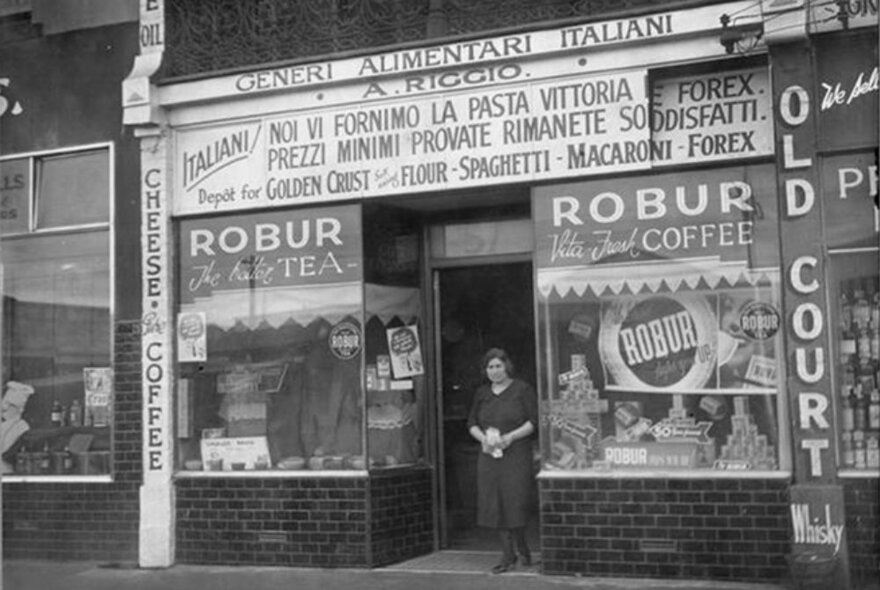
498,353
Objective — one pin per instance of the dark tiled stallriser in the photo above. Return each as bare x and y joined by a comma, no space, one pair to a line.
314,522
318,522
862,500
706,529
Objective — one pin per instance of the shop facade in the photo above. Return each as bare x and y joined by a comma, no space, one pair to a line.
629,206
71,428
304,230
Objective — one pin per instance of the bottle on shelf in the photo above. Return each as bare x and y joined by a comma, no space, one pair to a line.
861,309
864,346
68,460
845,309
859,450
872,452
848,421
847,450
21,461
847,335
56,417
874,410
45,463
860,409
76,413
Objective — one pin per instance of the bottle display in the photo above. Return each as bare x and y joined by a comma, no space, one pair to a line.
75,413
858,344
56,417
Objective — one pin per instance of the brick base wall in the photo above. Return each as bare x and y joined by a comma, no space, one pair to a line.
862,501
401,516
87,521
317,522
705,529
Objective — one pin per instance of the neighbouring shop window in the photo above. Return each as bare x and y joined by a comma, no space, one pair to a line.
57,378
855,287
659,313
852,221
269,342
395,345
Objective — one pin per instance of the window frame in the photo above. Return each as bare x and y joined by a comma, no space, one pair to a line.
108,226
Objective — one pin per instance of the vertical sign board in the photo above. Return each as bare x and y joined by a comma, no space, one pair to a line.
803,294
157,502
809,383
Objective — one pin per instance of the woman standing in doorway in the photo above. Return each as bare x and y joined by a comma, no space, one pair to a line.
503,416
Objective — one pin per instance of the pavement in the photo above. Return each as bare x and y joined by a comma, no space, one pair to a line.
40,575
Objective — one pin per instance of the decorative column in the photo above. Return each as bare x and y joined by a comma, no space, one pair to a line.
140,110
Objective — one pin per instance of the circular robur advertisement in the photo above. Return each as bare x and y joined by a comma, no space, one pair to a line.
659,342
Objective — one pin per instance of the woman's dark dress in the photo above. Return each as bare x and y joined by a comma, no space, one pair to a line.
504,485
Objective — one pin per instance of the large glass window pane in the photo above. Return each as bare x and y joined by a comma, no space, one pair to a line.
73,189
855,290
57,352
660,322
684,380
394,352
269,342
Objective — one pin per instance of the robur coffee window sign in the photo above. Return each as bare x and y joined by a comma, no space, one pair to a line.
724,214
269,250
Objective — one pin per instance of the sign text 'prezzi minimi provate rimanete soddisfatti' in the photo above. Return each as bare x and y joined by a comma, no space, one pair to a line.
515,133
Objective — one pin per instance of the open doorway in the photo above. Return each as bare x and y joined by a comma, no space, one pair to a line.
479,307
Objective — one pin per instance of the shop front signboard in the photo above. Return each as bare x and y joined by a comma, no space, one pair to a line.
849,199
728,214
269,251
520,129
848,79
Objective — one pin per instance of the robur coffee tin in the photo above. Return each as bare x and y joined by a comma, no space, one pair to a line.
627,414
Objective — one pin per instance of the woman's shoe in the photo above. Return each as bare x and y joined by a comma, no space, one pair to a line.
504,566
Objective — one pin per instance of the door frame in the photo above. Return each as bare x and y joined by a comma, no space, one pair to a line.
436,440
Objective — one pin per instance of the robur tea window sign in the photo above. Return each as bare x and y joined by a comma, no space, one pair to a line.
269,250
517,131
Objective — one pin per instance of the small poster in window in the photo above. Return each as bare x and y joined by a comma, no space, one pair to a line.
98,383
406,354
192,341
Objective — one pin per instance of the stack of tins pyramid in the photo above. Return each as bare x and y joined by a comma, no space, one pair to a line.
574,417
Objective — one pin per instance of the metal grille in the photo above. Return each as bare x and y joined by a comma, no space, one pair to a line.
209,36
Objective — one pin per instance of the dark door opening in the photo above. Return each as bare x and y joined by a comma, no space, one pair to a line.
480,307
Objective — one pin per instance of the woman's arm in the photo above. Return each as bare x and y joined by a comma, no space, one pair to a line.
522,431
477,433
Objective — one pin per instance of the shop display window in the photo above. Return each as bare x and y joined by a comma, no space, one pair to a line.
660,324
395,376
394,369
57,380
270,342
855,287
663,380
